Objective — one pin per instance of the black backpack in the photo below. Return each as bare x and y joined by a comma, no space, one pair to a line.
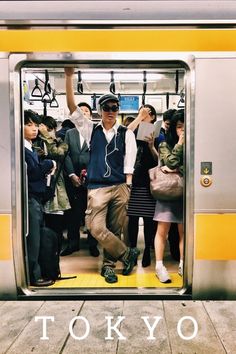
49,256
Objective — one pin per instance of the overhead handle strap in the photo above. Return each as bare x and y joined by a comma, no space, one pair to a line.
144,82
144,87
36,92
181,103
44,108
143,99
80,88
47,88
112,84
54,102
167,100
177,81
94,100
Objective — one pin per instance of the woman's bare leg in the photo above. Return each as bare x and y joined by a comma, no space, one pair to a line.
160,239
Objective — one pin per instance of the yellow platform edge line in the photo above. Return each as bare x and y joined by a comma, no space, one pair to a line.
131,281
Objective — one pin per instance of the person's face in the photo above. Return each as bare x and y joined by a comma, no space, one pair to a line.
86,112
30,130
43,128
179,128
149,118
52,132
167,125
109,112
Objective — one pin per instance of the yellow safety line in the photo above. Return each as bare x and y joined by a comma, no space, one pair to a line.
131,281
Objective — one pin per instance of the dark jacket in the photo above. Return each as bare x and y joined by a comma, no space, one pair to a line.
78,156
36,172
144,161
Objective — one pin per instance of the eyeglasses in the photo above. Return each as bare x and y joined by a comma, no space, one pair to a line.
107,108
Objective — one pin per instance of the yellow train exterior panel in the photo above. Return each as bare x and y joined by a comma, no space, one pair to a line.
215,236
114,40
5,237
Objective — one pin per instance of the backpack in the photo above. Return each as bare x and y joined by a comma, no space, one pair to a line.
49,255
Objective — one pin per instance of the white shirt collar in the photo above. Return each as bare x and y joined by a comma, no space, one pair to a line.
115,126
28,145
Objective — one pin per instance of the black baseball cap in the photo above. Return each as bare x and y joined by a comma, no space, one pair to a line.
107,97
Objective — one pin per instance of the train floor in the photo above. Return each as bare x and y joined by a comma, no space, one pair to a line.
87,270
82,327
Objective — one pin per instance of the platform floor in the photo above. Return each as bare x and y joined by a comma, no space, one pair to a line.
20,333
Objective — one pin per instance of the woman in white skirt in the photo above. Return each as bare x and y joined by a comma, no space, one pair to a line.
166,212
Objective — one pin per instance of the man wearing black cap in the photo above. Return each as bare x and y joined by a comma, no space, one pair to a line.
112,157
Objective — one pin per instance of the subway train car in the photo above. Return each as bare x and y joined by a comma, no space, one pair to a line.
178,54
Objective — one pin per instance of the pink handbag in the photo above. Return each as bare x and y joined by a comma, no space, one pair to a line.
165,186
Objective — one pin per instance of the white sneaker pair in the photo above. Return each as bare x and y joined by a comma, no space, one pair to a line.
163,275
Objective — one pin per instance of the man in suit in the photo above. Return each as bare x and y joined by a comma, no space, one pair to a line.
76,161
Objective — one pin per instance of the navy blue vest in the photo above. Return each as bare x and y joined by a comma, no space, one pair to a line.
106,164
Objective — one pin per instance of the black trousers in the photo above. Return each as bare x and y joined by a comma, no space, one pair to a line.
56,223
75,216
150,227
33,238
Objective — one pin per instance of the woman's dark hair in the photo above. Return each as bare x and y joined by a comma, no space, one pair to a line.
85,104
128,120
49,121
167,115
171,137
67,123
153,111
31,116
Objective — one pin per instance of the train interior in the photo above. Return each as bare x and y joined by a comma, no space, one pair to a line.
164,87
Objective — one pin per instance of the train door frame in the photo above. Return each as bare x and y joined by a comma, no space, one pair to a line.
18,61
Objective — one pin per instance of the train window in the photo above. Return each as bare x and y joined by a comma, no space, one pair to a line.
85,267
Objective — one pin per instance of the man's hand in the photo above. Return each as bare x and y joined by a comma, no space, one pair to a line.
75,181
144,113
181,139
43,130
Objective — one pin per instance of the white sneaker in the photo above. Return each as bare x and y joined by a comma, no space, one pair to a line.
180,270
163,275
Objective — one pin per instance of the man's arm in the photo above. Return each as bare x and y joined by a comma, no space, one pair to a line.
70,98
142,115
130,155
82,124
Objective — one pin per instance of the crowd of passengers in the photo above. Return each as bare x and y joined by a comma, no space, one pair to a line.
103,182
